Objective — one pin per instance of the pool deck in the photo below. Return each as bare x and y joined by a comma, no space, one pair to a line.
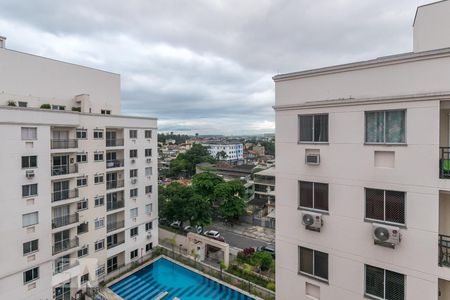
113,296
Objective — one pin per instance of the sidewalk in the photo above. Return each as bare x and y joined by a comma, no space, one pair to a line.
256,232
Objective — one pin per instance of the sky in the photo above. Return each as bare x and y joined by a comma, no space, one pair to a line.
206,66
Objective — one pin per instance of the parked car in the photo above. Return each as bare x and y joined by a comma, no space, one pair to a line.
268,248
197,229
212,234
175,224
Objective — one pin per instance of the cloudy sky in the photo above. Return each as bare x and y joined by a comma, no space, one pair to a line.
206,66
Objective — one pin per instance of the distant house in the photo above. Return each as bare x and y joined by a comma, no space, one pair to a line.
231,151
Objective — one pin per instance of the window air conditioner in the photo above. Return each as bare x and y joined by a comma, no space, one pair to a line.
29,174
312,159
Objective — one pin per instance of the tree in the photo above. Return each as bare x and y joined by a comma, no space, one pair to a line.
221,155
230,199
199,210
205,183
186,162
263,260
173,202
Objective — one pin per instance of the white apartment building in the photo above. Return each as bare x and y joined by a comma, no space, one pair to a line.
233,151
363,174
79,180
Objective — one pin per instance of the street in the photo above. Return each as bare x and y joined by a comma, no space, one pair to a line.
237,240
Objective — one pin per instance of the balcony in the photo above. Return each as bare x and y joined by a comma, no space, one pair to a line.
64,170
64,195
64,144
114,184
444,250
115,240
64,267
112,205
65,245
64,220
114,142
115,225
117,163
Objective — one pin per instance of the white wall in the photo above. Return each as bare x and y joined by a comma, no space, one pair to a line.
432,27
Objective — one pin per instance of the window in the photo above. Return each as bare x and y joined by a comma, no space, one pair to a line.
148,208
22,104
81,158
58,107
133,173
148,247
148,226
82,204
313,263
133,134
98,133
82,134
83,251
84,278
133,153
99,223
386,127
29,161
29,190
134,254
148,134
99,201
386,206
105,112
134,212
98,156
313,195
30,275
148,189
29,133
98,178
100,270
133,193
99,245
30,219
81,181
314,128
148,152
148,171
134,231
30,247
384,284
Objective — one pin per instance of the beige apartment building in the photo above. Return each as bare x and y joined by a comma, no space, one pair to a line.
78,179
363,174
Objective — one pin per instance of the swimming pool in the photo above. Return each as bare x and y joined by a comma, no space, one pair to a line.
163,275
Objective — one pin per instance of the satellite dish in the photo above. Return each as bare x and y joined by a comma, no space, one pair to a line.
381,234
308,219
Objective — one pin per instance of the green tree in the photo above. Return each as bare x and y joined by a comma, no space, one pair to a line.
173,202
221,155
199,210
205,183
186,162
263,260
230,199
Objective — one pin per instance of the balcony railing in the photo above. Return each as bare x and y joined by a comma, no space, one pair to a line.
116,163
64,245
444,163
63,170
112,245
114,184
64,267
115,225
64,195
444,250
112,205
114,142
64,220
64,144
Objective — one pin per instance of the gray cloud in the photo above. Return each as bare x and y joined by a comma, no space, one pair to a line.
207,65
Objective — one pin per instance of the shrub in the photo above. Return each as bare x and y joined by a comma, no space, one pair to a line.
45,106
263,260
271,285
249,251
11,103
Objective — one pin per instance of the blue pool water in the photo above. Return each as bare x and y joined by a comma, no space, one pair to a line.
164,275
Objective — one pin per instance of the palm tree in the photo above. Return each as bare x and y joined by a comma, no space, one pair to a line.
196,255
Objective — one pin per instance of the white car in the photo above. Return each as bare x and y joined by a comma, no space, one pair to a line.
212,233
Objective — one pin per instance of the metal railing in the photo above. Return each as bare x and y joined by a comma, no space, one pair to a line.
115,225
444,162
64,220
112,245
64,245
112,205
444,250
64,195
65,169
114,184
64,267
114,142
64,144
116,163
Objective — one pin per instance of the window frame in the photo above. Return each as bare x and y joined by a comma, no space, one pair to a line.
99,156
147,131
135,153
313,116
28,158
99,178
34,129
98,132
133,134
99,223
149,226
84,251
149,189
29,192
371,220
99,201
384,283
148,152
313,209
384,127
313,276
31,280
98,242
31,244
133,173
136,252
84,180
134,231
134,193
83,134
81,156
37,219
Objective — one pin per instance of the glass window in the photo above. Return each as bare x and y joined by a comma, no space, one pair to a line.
83,251
386,127
134,212
384,284
81,133
99,201
82,204
134,254
313,195
148,208
313,263
29,190
81,158
133,173
148,171
29,133
99,245
133,153
148,134
98,156
133,193
30,219
29,161
148,226
148,152
81,181
148,247
383,205
98,133
84,278
313,128
30,275
148,189
99,223
133,134
134,231
31,246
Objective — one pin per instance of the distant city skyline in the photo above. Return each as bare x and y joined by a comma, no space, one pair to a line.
206,66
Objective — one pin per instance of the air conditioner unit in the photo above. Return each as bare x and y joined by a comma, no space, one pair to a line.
385,235
133,161
133,181
29,173
149,160
149,236
312,221
312,159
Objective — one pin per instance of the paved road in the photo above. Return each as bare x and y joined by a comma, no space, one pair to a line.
237,240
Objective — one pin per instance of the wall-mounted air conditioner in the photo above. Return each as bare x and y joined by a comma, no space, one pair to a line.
385,235
133,180
311,220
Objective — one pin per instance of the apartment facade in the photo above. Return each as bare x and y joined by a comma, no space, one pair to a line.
232,151
79,180
363,174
